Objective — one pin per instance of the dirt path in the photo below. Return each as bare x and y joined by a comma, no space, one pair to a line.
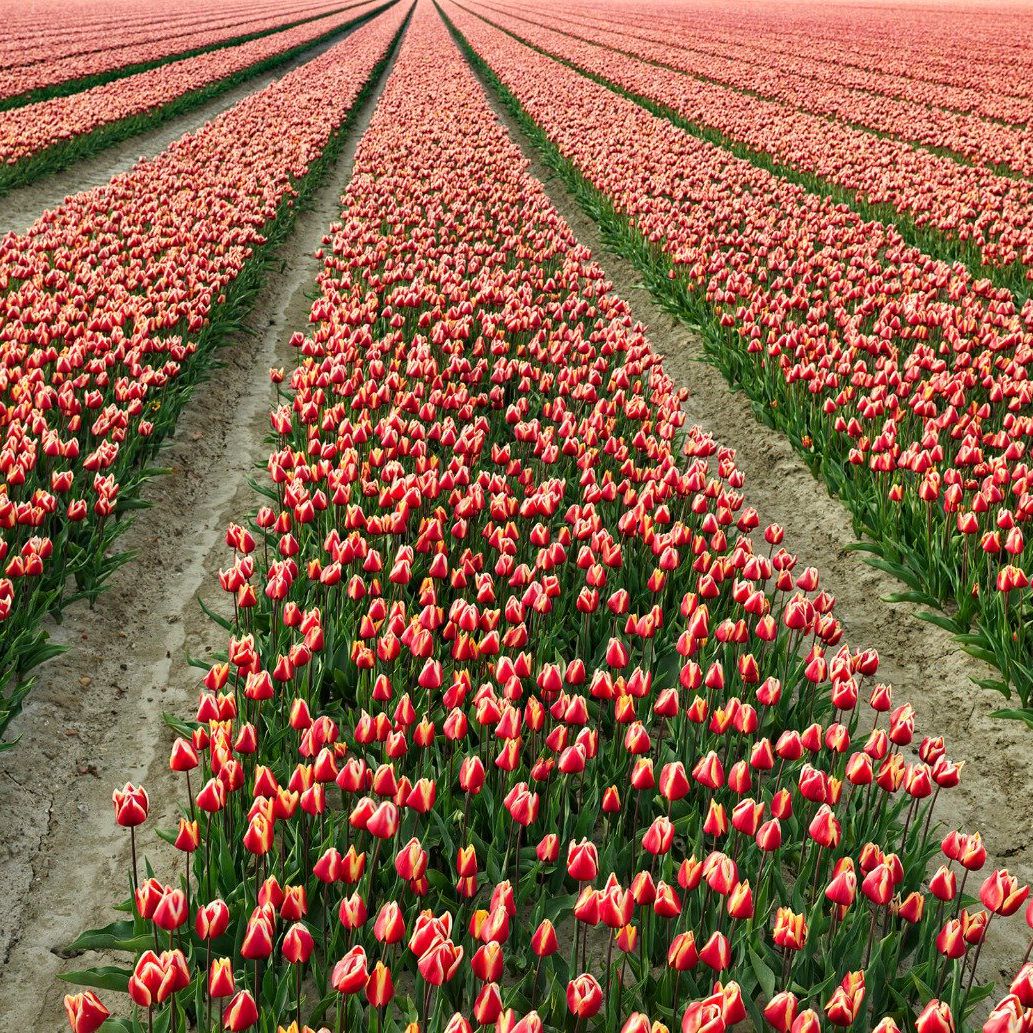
93,720
23,206
922,662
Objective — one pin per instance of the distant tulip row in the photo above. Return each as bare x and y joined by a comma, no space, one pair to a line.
904,378
982,216
895,52
27,32
107,302
28,130
968,137
524,722
50,56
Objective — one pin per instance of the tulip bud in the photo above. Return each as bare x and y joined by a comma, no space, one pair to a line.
85,1012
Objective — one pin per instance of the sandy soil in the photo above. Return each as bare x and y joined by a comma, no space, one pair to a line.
23,206
922,662
93,720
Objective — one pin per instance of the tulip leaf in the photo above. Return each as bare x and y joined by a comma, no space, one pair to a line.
1016,715
213,616
995,684
765,976
120,936
106,977
179,726
941,620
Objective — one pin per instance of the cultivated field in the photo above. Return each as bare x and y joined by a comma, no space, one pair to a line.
513,516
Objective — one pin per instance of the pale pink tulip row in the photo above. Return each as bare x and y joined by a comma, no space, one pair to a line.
986,83
27,130
53,70
53,36
904,55
994,213
968,137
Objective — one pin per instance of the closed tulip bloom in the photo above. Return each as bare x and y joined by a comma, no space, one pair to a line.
85,1012
878,884
439,963
807,1021
682,955
171,911
659,837
716,953
259,934
1008,1016
211,920
220,978
781,1011
1022,985
703,1017
626,938
188,837
790,929
548,848
297,945
842,890
936,1017
842,1007
584,996
487,1006
740,902
1002,893
349,975
131,805
544,941
912,907
487,961
886,1025
950,941
389,925
582,861
183,757
383,822
944,884
380,986
241,1013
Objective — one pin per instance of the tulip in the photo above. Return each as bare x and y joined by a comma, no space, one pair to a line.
241,1012
85,1012
584,996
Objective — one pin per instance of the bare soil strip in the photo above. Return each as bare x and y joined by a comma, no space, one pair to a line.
20,208
922,662
93,719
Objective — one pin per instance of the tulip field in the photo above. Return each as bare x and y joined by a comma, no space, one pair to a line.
507,707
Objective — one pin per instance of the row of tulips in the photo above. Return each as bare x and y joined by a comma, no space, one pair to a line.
965,137
110,305
69,30
51,62
995,81
523,722
38,138
903,380
982,218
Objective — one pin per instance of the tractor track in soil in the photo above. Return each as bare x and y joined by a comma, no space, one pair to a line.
93,718
923,663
